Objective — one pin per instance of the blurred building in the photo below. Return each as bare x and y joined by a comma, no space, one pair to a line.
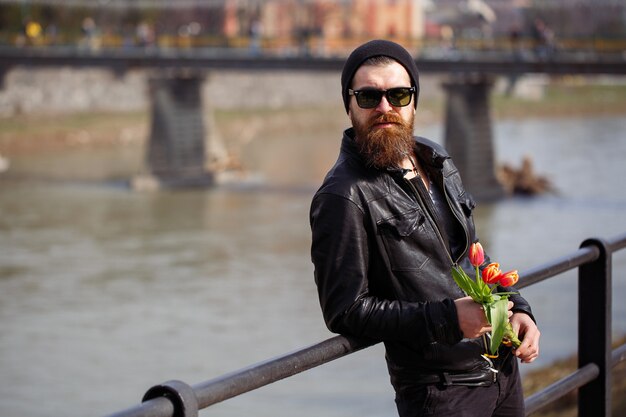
311,26
327,24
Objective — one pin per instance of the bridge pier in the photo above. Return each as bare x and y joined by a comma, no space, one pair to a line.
468,134
176,154
178,142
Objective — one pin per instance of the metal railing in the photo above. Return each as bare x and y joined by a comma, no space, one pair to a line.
592,378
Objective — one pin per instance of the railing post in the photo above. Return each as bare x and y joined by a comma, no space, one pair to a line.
181,395
594,330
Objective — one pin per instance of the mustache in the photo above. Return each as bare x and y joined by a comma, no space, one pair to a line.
387,118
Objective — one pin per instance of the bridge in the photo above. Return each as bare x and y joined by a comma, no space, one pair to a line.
177,142
470,61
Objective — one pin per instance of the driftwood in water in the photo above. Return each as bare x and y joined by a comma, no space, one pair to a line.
522,180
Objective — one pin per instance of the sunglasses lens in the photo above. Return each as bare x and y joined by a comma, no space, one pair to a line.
399,97
368,99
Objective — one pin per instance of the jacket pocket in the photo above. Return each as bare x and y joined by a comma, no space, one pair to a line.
400,235
404,224
467,204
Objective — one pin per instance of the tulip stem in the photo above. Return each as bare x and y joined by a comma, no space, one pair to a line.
510,335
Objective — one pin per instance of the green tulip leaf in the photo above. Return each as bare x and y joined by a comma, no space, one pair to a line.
464,282
499,318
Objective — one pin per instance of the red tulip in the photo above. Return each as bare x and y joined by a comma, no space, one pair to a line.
482,292
509,278
491,274
476,254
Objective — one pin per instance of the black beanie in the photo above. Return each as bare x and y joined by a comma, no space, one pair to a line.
377,48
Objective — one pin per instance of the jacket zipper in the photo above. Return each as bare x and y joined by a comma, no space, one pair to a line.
432,219
467,239
438,229
467,236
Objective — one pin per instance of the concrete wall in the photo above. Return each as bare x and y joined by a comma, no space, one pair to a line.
67,90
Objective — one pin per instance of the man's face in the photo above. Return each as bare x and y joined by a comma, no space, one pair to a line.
384,133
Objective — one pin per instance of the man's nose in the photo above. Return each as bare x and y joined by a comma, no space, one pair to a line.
384,106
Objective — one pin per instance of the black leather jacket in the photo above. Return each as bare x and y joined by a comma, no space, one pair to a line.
382,263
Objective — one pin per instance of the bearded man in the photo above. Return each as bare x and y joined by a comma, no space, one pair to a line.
388,223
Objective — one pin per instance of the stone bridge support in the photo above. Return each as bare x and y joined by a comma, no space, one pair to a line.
176,154
178,142
468,134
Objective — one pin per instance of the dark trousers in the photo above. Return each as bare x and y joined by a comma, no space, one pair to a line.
504,398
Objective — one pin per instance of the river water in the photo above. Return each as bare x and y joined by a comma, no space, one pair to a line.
105,292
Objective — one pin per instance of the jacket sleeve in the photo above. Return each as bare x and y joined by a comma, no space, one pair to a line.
340,254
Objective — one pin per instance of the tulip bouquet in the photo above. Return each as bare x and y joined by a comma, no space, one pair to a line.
495,304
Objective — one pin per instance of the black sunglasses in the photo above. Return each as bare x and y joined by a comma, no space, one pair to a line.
369,98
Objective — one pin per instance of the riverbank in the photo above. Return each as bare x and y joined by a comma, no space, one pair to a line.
36,133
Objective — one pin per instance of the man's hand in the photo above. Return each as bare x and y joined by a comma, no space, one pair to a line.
529,334
472,319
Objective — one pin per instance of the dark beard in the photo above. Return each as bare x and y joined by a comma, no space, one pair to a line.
384,148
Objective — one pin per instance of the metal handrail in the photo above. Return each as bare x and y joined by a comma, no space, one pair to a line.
557,266
570,382
175,398
256,376
561,387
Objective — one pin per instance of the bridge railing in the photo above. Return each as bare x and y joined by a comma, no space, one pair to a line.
592,378
322,45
